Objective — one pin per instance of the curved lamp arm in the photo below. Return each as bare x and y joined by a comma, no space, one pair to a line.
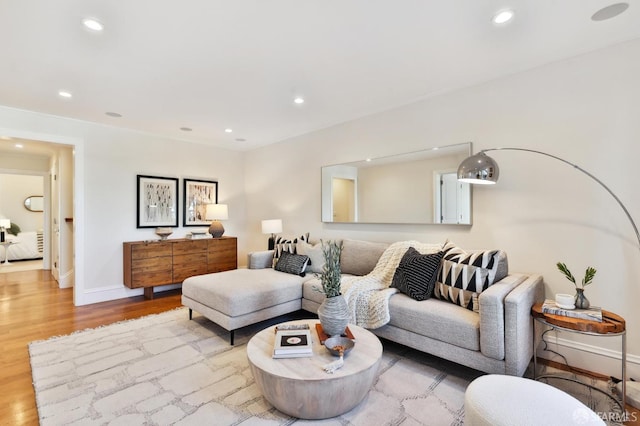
480,168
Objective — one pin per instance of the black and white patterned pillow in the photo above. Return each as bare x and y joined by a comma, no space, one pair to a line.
463,276
283,244
416,274
292,263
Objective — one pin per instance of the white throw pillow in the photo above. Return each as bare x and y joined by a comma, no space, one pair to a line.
316,257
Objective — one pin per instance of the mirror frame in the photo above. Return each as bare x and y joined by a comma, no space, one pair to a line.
351,171
27,203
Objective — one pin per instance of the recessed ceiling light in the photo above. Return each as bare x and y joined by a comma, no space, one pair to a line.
298,100
503,16
609,12
65,94
368,160
113,114
186,129
227,130
93,24
19,145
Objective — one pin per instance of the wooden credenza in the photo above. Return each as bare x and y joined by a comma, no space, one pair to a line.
153,263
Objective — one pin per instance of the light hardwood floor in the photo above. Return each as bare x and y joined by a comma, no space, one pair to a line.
32,307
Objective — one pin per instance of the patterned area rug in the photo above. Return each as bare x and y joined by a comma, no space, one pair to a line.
164,369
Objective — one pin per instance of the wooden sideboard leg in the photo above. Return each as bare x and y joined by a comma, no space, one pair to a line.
231,337
148,292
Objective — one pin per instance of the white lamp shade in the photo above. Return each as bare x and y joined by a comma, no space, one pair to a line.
217,212
272,226
5,223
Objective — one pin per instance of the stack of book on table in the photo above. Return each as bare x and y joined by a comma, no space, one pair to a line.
292,343
592,313
198,235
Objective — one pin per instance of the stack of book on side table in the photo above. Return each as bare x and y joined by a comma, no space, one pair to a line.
593,313
292,342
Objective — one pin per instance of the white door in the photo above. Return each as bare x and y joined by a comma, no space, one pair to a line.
449,198
452,200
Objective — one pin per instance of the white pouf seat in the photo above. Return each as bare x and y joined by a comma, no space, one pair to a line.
495,400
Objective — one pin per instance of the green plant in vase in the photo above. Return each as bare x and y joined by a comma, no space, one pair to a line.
580,300
333,312
330,275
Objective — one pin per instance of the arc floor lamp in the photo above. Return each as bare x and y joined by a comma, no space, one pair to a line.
482,169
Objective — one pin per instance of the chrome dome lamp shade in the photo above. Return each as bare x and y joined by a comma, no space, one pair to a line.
482,169
479,169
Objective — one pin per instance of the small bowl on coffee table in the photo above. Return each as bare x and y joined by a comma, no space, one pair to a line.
333,345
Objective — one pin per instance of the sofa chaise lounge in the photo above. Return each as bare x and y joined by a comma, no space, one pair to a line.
496,337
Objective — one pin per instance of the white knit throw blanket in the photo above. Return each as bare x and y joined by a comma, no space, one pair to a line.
368,295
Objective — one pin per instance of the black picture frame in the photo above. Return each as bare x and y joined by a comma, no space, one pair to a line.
196,195
156,201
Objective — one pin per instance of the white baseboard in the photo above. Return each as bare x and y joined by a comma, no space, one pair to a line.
66,280
592,358
105,294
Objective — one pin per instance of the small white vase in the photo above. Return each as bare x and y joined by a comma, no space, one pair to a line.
334,315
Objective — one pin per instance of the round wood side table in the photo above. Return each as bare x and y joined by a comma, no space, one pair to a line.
612,325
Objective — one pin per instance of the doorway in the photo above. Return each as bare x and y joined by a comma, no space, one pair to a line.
344,199
452,204
23,153
22,196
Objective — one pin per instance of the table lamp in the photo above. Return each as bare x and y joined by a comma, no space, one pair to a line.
273,227
4,225
216,213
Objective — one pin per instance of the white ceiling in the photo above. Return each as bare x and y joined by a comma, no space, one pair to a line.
212,64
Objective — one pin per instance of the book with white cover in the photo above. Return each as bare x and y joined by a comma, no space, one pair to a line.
593,313
197,236
292,342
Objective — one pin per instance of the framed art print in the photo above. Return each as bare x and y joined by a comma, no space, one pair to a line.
197,194
157,201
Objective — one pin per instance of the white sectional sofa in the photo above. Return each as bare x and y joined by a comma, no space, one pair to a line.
495,339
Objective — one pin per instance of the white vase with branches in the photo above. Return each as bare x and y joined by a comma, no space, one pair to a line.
333,312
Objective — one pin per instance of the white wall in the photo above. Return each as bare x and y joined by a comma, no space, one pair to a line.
106,163
584,109
13,191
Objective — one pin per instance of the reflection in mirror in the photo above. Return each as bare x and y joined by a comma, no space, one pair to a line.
34,203
415,188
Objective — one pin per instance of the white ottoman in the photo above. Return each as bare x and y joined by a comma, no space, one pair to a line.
495,400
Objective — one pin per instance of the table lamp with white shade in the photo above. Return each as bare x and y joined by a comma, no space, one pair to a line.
273,227
4,225
216,213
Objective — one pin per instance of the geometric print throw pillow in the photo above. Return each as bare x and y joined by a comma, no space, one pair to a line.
292,263
416,274
464,276
286,244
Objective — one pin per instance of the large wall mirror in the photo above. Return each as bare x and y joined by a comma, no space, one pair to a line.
413,188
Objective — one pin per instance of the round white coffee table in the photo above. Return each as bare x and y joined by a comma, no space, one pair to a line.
301,388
